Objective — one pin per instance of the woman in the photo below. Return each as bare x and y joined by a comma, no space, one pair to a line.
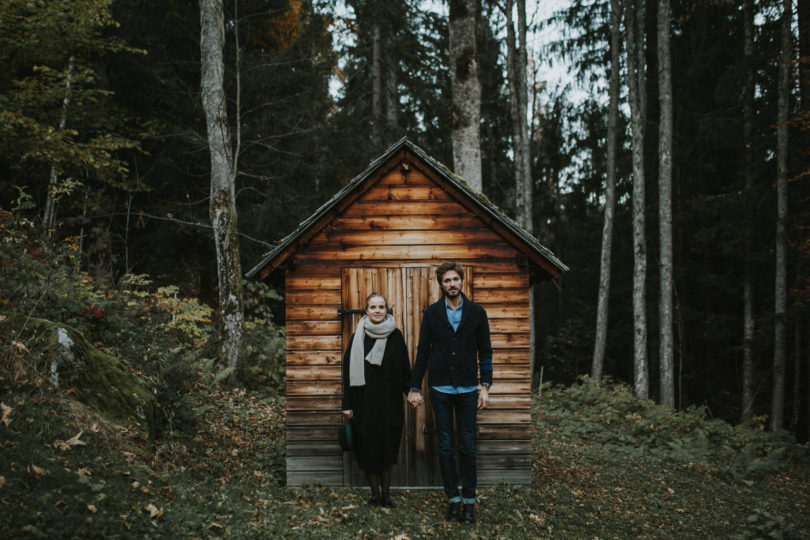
376,374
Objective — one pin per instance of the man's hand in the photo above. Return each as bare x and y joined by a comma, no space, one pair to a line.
415,398
483,397
347,414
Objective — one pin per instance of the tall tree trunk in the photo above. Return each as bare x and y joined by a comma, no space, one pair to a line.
666,343
376,85
634,25
49,215
747,405
223,178
391,94
797,372
466,88
523,95
517,65
780,285
600,345
514,109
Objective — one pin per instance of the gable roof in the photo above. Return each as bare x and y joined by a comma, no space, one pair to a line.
494,216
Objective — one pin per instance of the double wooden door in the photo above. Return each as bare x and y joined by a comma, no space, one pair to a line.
409,290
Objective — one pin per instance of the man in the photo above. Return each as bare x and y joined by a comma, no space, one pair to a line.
454,344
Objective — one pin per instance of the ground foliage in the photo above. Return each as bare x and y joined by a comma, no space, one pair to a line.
67,471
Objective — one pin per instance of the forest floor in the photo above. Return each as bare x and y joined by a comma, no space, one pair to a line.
601,469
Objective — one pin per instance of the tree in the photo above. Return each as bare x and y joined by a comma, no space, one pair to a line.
597,366
223,179
780,283
666,366
517,64
59,127
747,394
466,92
636,77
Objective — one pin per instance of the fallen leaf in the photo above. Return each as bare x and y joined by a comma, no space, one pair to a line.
38,470
402,537
2,481
153,510
215,525
20,347
94,428
92,508
84,471
6,413
73,441
350,507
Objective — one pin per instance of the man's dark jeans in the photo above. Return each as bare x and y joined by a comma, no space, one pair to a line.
465,408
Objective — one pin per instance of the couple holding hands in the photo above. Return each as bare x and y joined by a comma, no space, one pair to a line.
454,347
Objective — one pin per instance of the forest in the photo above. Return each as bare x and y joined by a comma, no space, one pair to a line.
152,152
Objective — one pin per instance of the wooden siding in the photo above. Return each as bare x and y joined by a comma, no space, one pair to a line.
402,221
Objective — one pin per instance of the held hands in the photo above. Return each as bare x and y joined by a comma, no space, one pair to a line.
483,397
415,398
347,414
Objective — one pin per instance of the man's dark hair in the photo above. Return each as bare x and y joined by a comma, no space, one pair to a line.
446,267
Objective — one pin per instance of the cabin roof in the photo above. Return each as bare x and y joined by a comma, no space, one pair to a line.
528,243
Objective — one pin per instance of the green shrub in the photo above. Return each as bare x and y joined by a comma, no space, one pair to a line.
263,342
609,414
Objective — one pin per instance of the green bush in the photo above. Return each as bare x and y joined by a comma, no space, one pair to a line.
611,415
263,342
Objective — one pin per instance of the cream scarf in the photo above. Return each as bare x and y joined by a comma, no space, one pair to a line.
380,332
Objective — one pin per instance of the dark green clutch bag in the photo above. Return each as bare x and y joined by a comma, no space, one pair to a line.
345,437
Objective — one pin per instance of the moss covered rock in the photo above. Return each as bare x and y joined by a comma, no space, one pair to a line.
98,380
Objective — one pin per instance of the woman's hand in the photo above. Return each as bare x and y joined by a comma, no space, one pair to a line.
347,414
415,398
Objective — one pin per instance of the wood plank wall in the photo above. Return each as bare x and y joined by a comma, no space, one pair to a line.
403,221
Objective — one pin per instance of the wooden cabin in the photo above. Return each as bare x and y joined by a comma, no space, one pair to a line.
387,231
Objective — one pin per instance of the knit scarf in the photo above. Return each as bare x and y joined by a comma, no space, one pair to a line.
380,332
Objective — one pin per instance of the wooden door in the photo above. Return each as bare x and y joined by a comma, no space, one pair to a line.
409,291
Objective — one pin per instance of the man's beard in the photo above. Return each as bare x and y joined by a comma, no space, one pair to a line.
451,294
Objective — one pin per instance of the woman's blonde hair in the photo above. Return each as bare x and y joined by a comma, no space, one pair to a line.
372,295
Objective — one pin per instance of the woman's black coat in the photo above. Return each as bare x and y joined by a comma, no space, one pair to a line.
378,412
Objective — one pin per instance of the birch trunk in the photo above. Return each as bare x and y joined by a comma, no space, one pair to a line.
49,215
517,65
466,88
526,184
600,345
514,107
747,405
223,177
666,350
780,283
634,24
